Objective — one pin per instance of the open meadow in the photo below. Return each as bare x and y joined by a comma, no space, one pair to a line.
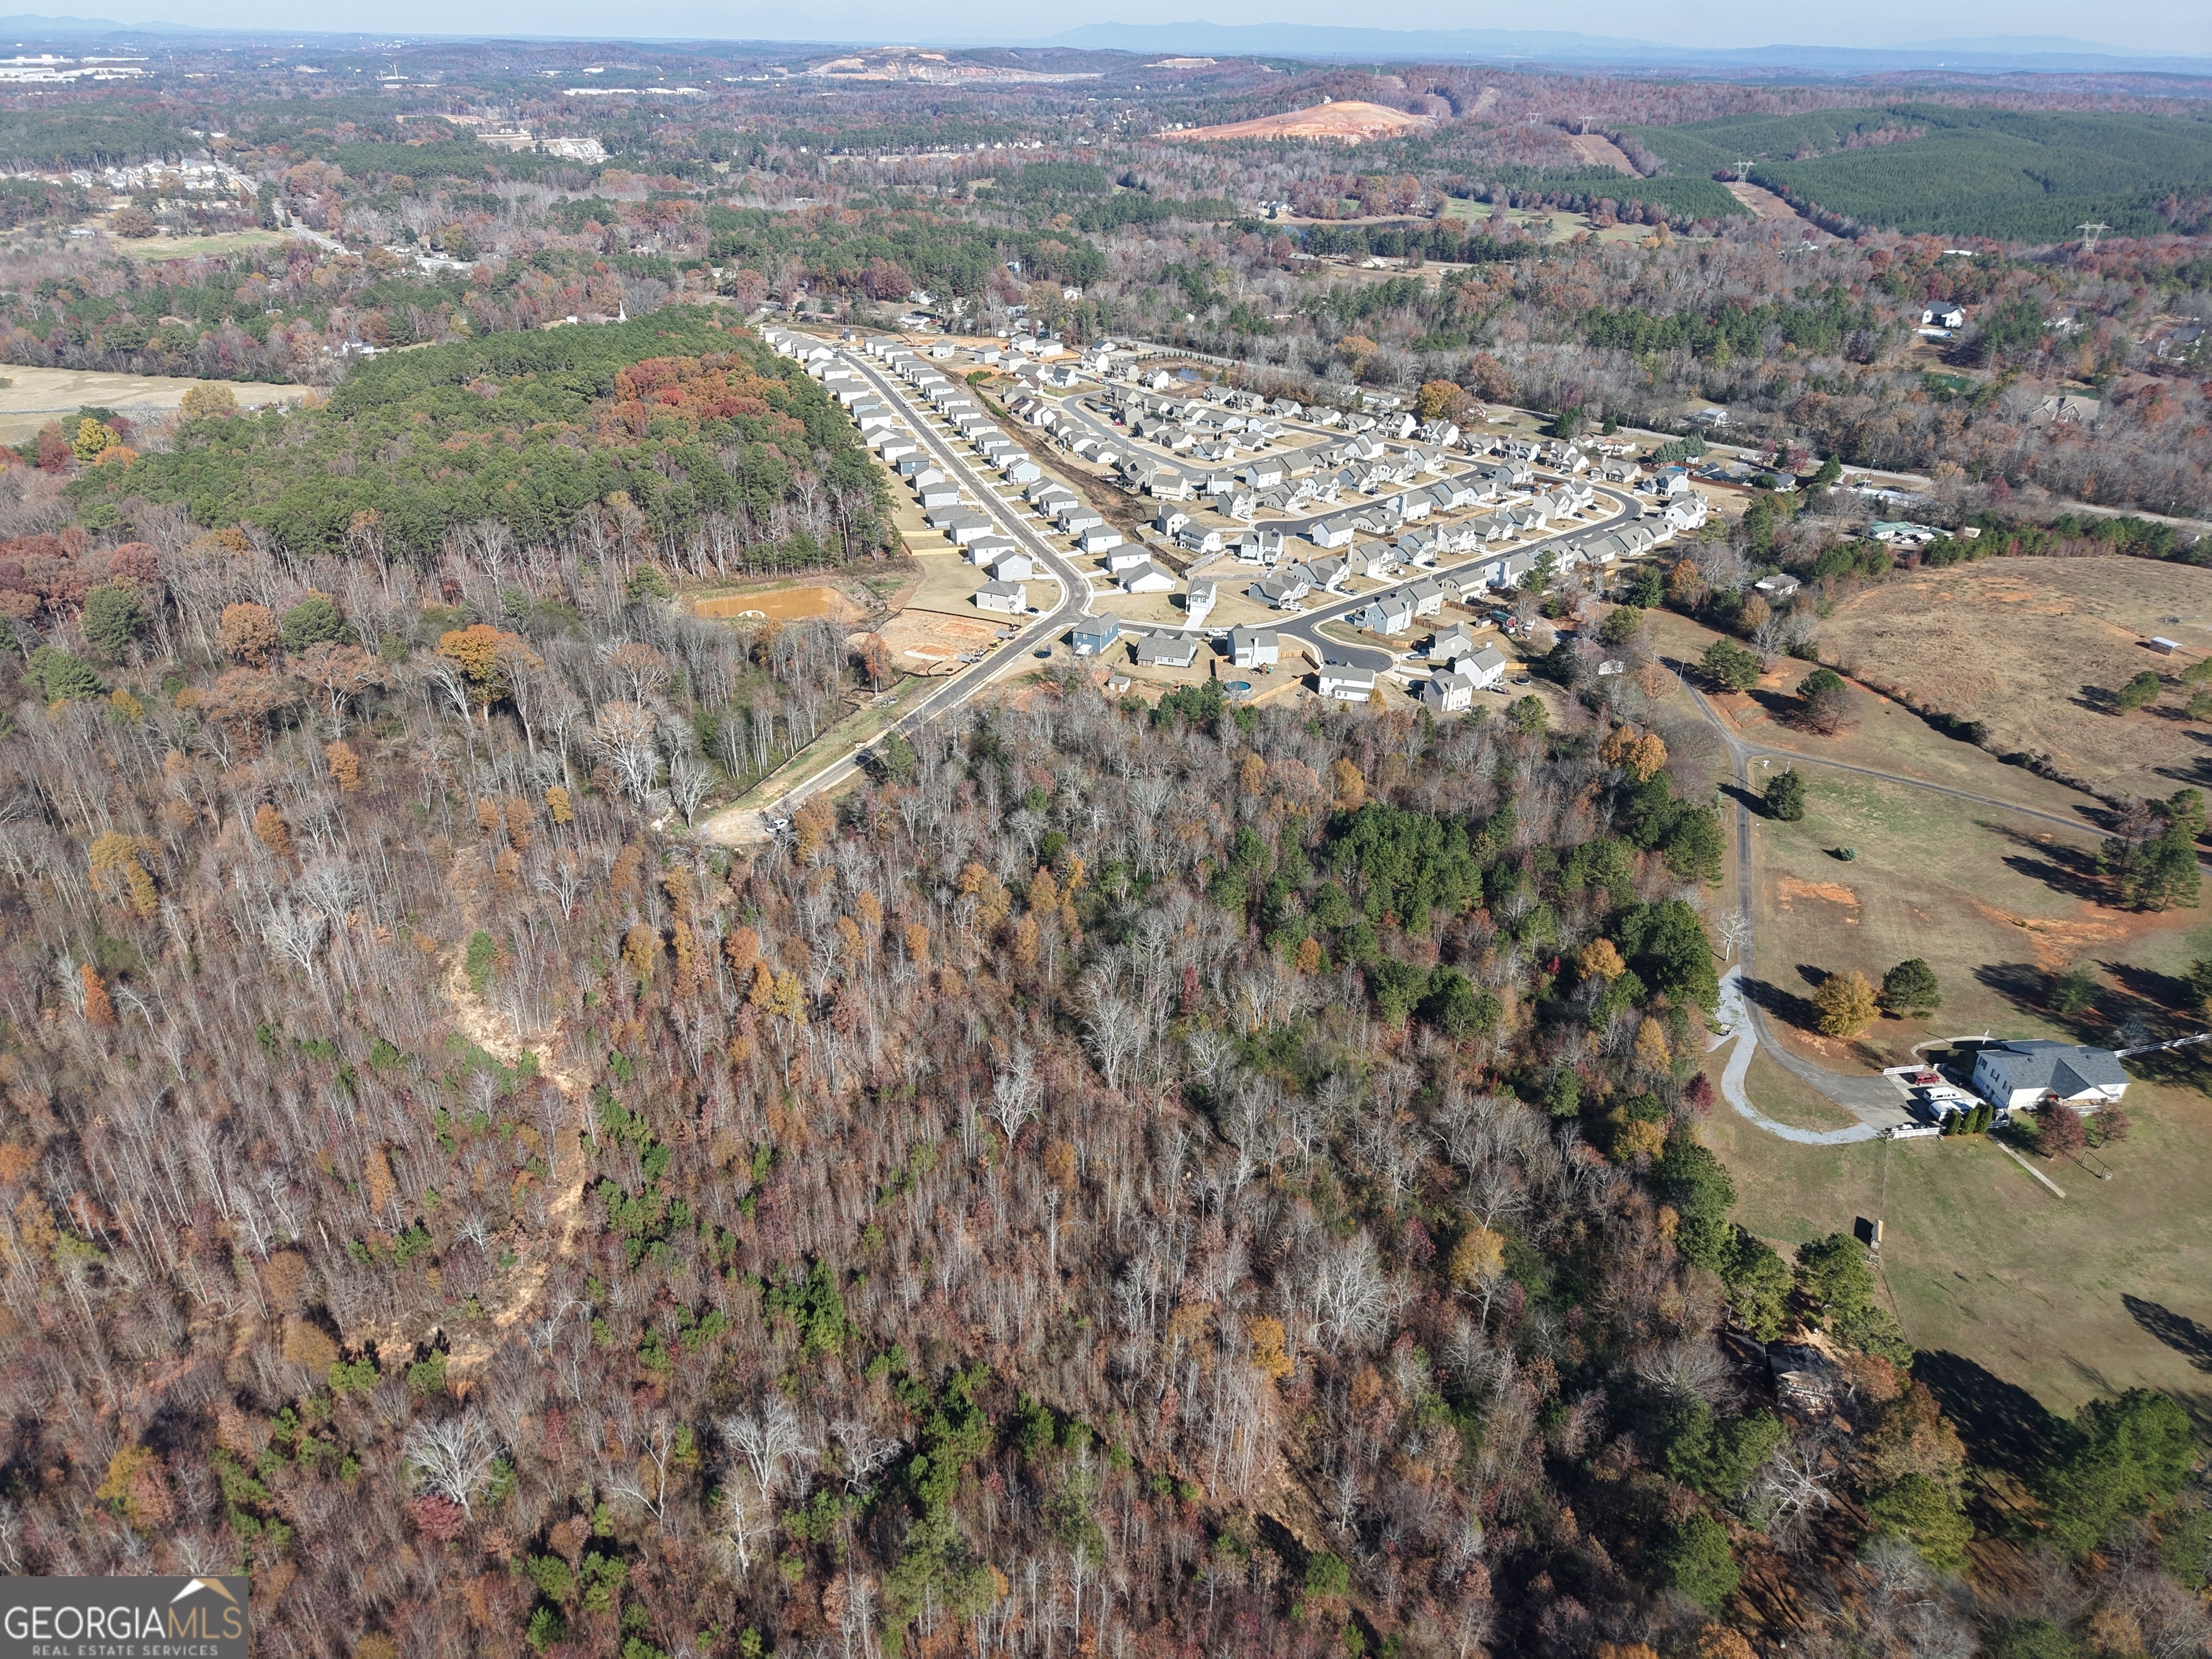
1955,639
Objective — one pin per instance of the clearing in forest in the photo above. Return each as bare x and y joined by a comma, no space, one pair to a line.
1349,120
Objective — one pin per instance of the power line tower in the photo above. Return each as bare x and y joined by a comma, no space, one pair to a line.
1743,173
2090,233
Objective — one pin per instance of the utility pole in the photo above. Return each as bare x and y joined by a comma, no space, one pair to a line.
2090,233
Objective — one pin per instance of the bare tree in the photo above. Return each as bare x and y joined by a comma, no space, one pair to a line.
452,1458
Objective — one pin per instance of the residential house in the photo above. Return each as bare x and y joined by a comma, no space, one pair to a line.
1281,589
937,491
1428,598
1170,519
1126,558
959,524
1687,512
1330,532
1253,647
1014,567
1511,569
1450,645
1020,469
1099,539
1146,578
1260,546
1388,614
1010,598
1780,586
1942,313
1074,520
1347,685
1486,668
1094,635
1198,538
1167,651
986,550
1448,693
2015,1076
1198,604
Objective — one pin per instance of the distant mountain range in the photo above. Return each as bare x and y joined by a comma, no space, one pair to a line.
1993,54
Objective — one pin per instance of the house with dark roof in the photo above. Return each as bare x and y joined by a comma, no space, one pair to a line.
2018,1076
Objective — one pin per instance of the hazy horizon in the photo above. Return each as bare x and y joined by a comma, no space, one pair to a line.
2151,29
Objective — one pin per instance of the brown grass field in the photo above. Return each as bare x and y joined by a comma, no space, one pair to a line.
1350,119
2002,1287
1955,638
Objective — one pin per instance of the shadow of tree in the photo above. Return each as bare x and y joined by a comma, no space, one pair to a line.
2063,869
1785,1006
2178,1332
2005,1428
2022,984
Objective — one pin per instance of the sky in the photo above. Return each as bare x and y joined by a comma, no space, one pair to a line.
2178,27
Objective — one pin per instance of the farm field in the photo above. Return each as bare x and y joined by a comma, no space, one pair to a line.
1997,903
1990,1272
1886,736
36,396
1950,637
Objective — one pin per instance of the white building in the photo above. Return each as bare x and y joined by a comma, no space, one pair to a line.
1010,598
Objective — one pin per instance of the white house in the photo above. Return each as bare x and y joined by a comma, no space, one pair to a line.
1147,578
2017,1076
1016,567
1253,647
1098,539
1347,685
1198,604
987,550
1010,597
937,492
1126,558
1485,668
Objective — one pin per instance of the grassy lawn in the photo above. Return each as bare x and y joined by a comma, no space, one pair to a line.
2060,1297
1997,903
1785,1099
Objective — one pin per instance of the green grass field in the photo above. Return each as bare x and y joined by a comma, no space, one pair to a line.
1985,1264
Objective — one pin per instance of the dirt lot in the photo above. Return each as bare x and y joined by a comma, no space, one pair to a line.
1955,639
36,396
1350,119
781,603
930,642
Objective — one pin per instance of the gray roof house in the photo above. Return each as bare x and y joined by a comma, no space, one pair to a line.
1095,634
1167,651
1253,647
1010,598
2016,1075
1389,613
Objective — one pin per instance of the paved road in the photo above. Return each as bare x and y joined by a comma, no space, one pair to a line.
738,825
1735,1012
